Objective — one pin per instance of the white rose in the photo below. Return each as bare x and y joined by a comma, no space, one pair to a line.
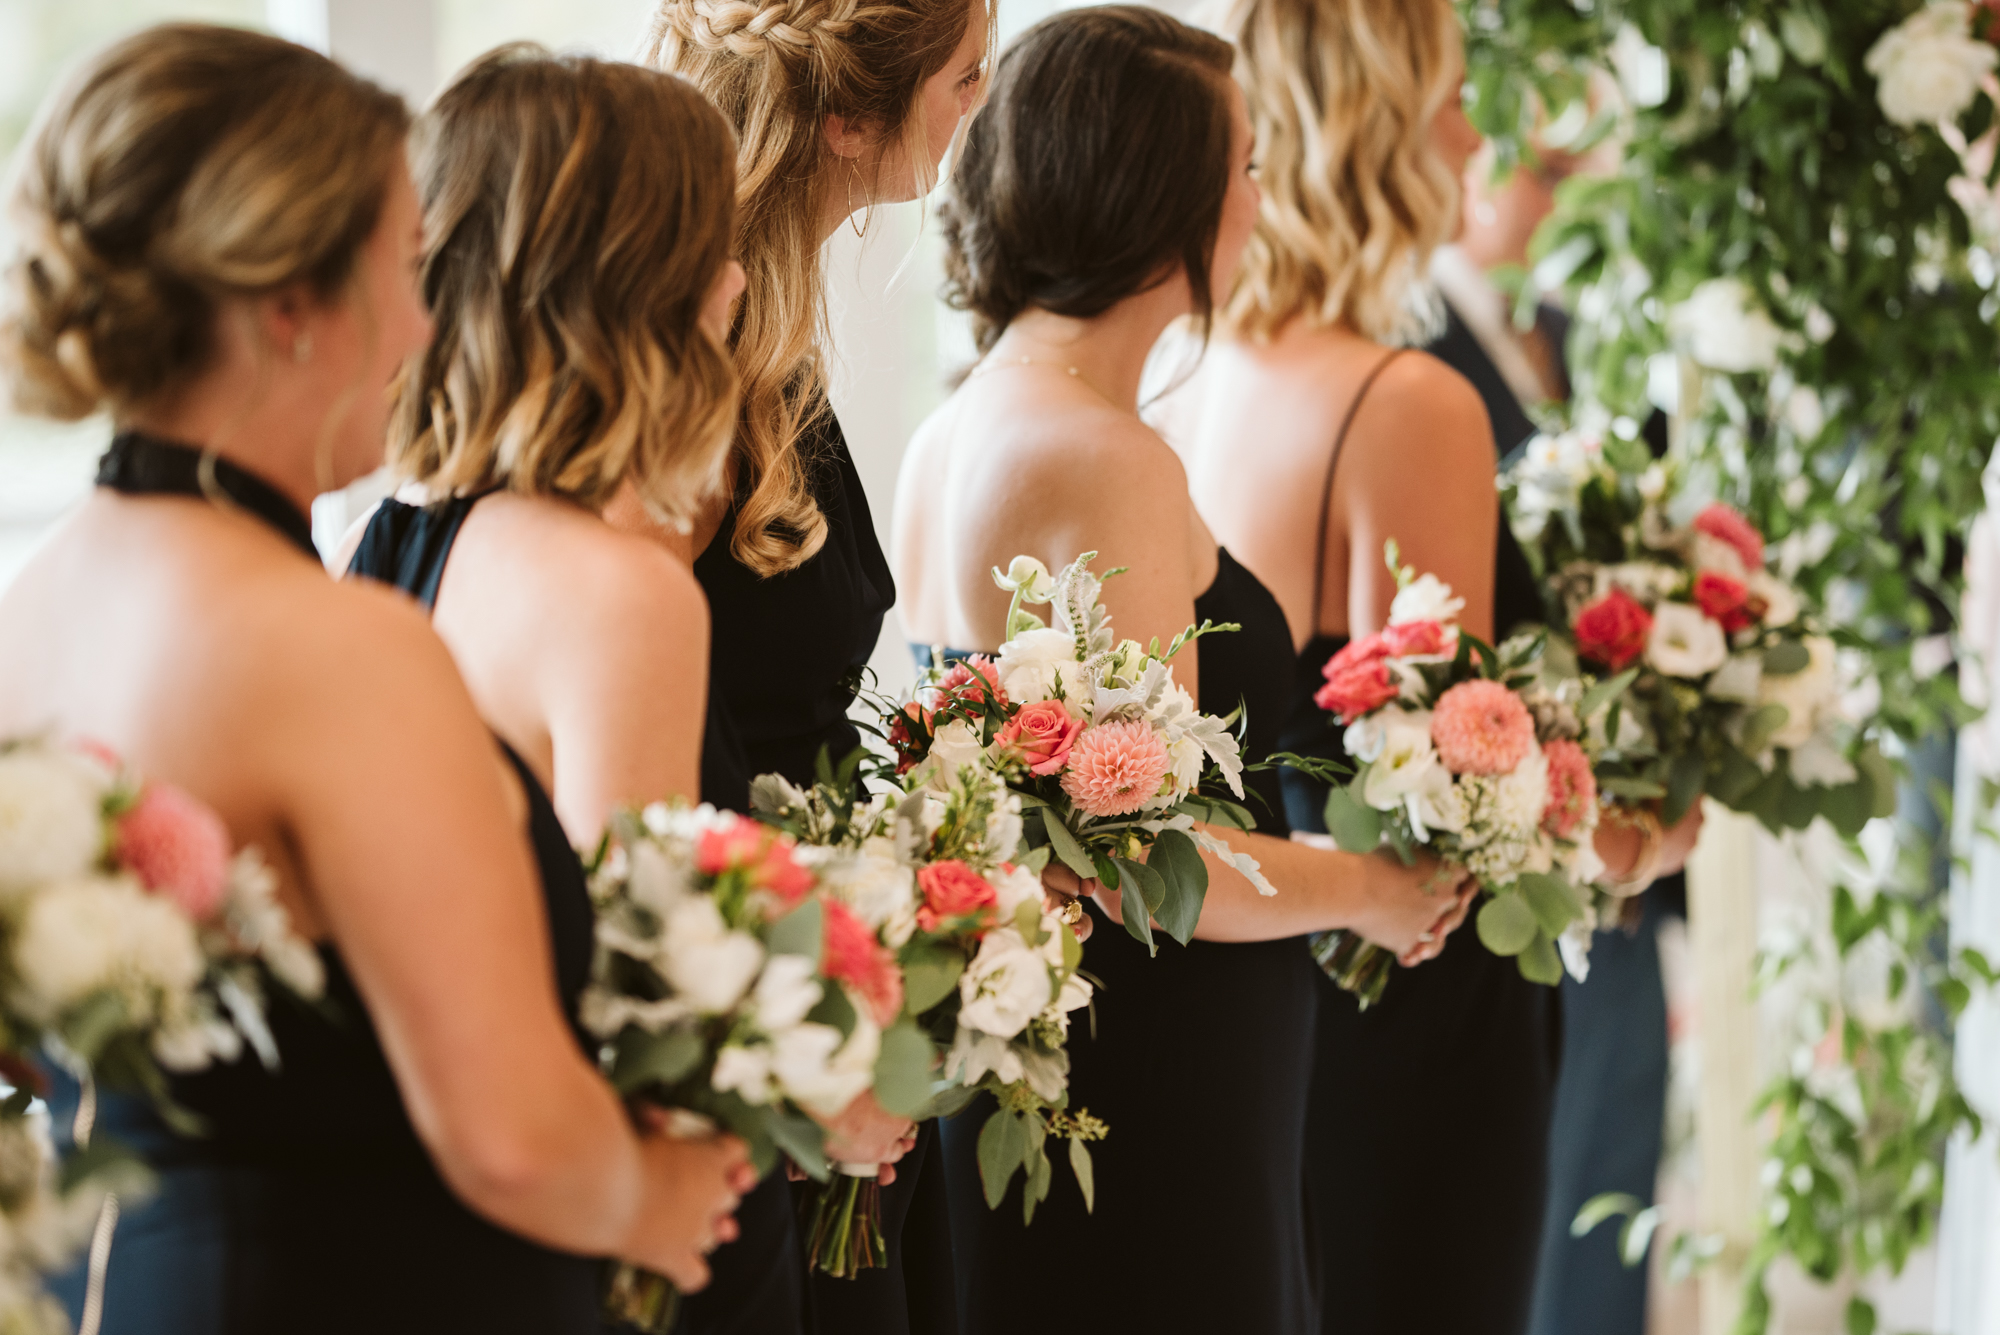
1005,986
1685,642
1426,598
818,1071
705,962
955,746
1407,757
1723,327
1804,693
1781,601
79,937
51,817
1928,67
1033,662
786,991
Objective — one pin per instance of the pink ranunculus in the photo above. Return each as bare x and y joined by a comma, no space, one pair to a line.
1726,600
1116,768
973,679
953,890
1420,637
758,851
178,848
1042,735
1481,727
1572,788
1612,631
1725,524
852,955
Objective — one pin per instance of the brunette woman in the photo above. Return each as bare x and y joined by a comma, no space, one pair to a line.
838,105
1312,439
219,248
582,364
1105,193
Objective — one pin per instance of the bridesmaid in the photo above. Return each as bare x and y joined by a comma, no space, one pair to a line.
1105,193
1364,139
219,242
836,108
585,365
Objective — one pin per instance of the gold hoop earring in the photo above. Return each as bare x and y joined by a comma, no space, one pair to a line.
853,175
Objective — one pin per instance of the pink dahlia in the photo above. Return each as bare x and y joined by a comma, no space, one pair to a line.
1725,524
1116,768
178,848
1572,788
853,956
1481,727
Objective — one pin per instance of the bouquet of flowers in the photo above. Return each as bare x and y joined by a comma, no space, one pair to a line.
1727,686
719,995
1105,751
988,974
133,943
1471,753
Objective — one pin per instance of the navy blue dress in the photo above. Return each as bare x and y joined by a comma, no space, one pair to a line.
1431,1109
1201,1061
312,1206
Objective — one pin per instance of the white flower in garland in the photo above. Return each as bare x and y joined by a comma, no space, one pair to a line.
1928,67
1724,327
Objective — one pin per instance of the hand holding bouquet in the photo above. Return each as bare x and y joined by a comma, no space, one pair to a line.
1725,685
1105,751
1464,751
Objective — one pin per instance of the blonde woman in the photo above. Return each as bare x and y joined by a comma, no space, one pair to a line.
219,238
1433,1108
838,105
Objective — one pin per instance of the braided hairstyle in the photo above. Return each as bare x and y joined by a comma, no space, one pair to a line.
183,166
778,70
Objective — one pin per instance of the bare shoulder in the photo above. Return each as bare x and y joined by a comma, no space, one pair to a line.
1418,394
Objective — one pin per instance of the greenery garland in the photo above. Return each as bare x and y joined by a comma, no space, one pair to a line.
1792,259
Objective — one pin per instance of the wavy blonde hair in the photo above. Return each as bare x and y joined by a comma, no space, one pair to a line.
576,215
777,71
1342,94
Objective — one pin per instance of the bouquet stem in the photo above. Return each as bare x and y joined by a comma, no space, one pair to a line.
641,1299
1354,964
843,1222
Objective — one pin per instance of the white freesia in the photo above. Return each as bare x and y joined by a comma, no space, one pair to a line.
1426,598
1685,642
1034,662
1014,886
703,960
51,821
1803,694
1438,805
1006,985
1928,67
81,936
1724,327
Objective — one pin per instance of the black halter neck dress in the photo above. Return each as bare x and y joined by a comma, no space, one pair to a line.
1200,1059
312,1207
1432,1108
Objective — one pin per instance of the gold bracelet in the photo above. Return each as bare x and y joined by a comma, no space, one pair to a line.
1652,838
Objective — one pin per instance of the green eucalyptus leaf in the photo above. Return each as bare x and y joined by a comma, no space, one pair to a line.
930,974
1786,658
1086,1177
1506,924
800,932
1540,963
1003,1146
1354,825
1553,900
1066,846
1137,923
903,1068
1185,876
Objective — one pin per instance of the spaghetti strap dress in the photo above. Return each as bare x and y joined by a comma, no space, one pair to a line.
1200,1059
753,1288
1430,1112
312,1207
786,657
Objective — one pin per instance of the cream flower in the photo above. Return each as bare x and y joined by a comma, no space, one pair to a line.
1426,598
1928,67
80,937
1781,601
1804,694
1684,642
1033,662
955,747
705,962
1724,327
51,821
1406,758
1005,986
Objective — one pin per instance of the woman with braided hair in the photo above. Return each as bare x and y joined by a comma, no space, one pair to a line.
838,105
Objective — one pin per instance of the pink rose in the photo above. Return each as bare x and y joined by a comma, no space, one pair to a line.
1725,524
1357,680
178,848
953,890
853,956
1041,735
1419,637
1116,768
1572,788
1481,727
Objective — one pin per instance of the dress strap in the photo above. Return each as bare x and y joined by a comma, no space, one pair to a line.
137,464
407,545
1326,491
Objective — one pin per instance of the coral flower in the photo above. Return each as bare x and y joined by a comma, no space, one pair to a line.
1041,735
1613,630
853,956
1116,768
178,848
1357,680
1481,727
1572,788
1726,600
1419,637
952,890
1725,524
744,845
911,748
973,679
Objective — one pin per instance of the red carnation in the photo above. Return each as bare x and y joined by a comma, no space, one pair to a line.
1726,600
1613,630
1725,524
761,853
853,956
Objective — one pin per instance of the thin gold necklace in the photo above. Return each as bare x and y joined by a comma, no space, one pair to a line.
1003,363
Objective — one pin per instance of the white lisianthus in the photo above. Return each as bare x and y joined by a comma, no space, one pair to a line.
975,1055
1406,758
870,880
82,936
821,1073
1804,694
1014,886
1724,327
786,992
1426,598
51,817
1685,642
1033,662
1928,67
705,962
954,747
1738,679
1005,986
1366,736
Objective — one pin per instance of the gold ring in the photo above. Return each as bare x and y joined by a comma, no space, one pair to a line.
1072,913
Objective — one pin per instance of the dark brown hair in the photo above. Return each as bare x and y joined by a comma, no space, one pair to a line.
1100,164
183,166
576,216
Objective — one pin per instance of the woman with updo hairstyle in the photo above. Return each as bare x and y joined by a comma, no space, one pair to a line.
1314,433
1105,193
219,246
578,213
838,105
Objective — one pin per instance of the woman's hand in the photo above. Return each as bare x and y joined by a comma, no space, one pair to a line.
1677,846
691,1189
1411,910
865,1132
1063,891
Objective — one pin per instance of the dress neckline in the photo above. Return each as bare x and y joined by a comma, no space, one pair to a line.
137,464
